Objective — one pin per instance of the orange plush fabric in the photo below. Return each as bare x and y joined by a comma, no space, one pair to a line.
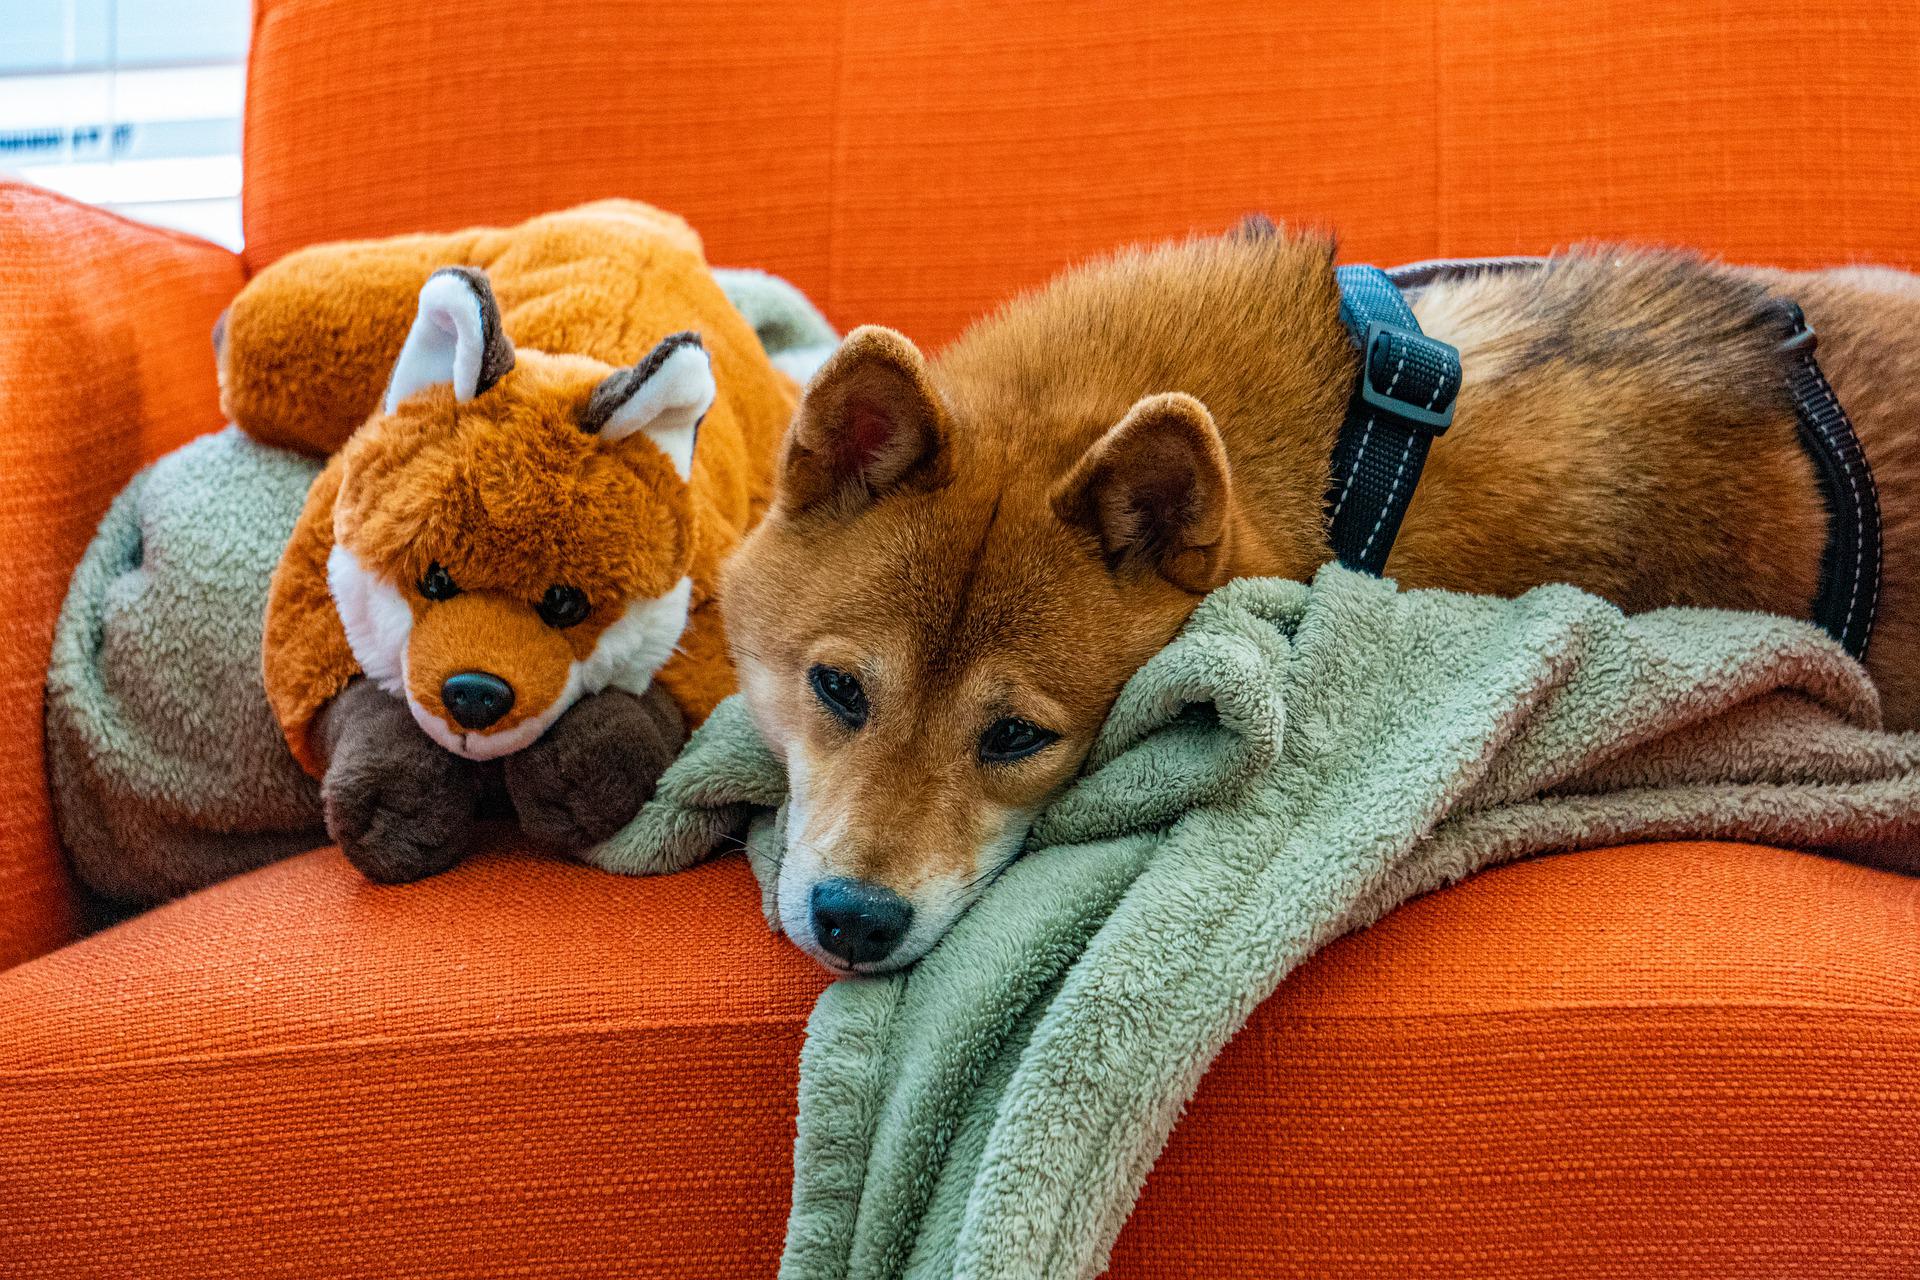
104,364
307,346
1678,1060
510,488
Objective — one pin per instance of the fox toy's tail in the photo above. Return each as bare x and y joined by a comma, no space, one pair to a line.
306,348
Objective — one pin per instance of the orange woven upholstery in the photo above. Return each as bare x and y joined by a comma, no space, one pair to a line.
106,362
519,1068
910,163
1665,1061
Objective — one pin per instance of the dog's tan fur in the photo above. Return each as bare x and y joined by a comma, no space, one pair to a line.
1013,529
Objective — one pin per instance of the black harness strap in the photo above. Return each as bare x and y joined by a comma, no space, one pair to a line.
1849,594
1404,398
1417,275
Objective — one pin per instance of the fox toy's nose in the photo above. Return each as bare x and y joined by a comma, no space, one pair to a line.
476,698
858,921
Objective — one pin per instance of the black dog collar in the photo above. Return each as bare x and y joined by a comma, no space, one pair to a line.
1404,397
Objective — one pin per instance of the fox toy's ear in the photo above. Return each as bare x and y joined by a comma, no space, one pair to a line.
1155,490
664,396
871,421
456,338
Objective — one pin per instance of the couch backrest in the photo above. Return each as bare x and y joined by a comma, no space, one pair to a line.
912,161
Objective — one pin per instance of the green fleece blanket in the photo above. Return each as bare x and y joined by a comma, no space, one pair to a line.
167,767
1301,760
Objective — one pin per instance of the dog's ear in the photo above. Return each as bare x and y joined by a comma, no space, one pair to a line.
870,423
1155,491
665,396
456,338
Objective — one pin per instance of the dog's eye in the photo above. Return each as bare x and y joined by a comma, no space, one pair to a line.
841,694
438,584
1012,739
563,606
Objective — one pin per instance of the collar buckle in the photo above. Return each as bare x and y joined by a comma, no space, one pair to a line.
1405,373
1801,339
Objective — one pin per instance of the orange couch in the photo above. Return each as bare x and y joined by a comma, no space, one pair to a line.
1659,1061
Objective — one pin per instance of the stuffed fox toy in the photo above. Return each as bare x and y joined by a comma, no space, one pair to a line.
543,440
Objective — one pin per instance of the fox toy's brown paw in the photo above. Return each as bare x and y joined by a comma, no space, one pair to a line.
400,806
589,774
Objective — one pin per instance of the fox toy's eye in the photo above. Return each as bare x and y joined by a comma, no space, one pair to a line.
438,584
840,694
563,606
1011,738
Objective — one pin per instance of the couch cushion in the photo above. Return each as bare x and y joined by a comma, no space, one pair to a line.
513,1066
1659,1061
910,164
106,361
1662,1061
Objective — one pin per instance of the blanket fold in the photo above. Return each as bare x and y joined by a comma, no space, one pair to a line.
1301,760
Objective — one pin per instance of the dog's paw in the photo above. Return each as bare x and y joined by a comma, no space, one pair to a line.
592,770
399,806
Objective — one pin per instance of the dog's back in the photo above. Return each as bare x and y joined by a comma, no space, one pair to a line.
1868,322
1625,425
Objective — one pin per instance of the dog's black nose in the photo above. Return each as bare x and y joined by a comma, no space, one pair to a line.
858,921
476,698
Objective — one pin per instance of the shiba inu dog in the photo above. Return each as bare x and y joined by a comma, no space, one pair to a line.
967,558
